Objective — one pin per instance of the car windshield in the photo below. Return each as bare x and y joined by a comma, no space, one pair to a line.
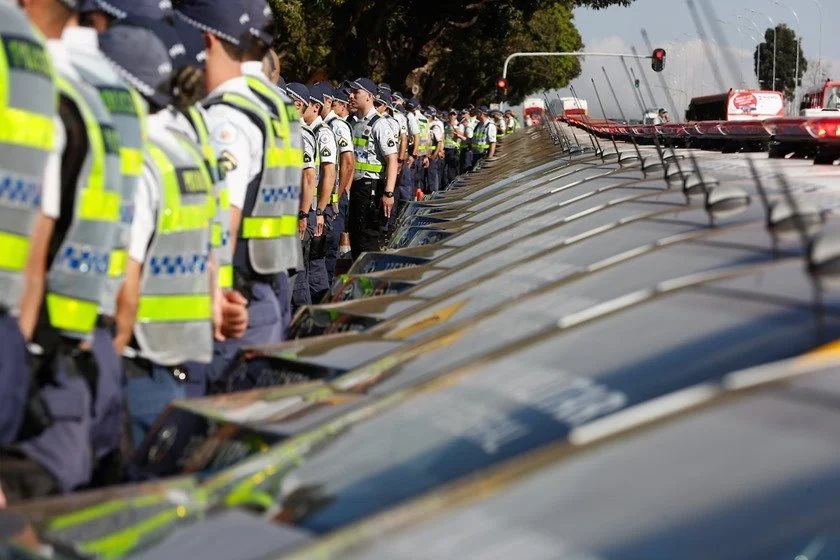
832,98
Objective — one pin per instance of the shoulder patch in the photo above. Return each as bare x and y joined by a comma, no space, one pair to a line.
227,162
342,142
307,158
391,143
326,152
225,134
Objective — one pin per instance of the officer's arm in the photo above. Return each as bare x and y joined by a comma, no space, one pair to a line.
307,188
325,188
34,274
128,299
415,139
401,155
492,151
392,167
348,166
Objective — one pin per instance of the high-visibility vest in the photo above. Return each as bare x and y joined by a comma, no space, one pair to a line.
220,224
174,317
425,143
479,139
287,128
128,114
27,135
367,159
268,242
79,270
449,140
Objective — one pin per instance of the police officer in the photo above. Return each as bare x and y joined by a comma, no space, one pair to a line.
336,118
384,105
436,151
466,151
405,181
128,114
299,94
273,96
512,123
484,136
77,256
27,137
501,125
320,213
372,198
244,135
453,136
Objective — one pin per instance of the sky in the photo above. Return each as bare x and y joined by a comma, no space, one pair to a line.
687,71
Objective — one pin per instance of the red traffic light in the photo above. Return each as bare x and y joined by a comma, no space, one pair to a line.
658,60
502,83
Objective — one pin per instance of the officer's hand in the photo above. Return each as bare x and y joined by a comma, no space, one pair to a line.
234,316
302,228
335,210
387,205
319,226
2,498
425,163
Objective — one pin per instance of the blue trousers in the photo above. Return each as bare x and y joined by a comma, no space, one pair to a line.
434,175
64,448
14,378
419,174
335,238
268,317
109,408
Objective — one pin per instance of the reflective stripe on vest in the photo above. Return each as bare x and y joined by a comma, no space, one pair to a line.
479,139
128,113
220,226
449,140
27,112
272,246
424,135
77,276
174,314
367,160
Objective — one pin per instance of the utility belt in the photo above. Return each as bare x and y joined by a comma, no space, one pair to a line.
243,283
107,322
138,367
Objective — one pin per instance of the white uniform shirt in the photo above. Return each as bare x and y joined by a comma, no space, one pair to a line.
308,146
413,124
342,131
326,147
403,122
51,189
491,132
235,137
382,143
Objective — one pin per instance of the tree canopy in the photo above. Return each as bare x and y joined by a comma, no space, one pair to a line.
785,60
450,52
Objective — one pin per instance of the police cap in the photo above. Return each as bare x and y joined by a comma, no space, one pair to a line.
261,17
398,97
484,109
281,83
141,58
364,84
225,19
121,9
190,37
386,87
298,92
412,104
340,95
384,98
320,92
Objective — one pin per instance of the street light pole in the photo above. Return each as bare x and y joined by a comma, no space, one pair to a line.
758,47
819,57
773,25
798,44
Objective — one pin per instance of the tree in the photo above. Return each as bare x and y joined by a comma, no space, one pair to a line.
785,61
448,52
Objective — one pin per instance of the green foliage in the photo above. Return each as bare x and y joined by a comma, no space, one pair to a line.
450,53
785,60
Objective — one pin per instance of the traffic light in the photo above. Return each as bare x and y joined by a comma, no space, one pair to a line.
501,88
657,61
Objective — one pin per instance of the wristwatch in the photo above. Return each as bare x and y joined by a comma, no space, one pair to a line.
303,215
319,212
388,194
